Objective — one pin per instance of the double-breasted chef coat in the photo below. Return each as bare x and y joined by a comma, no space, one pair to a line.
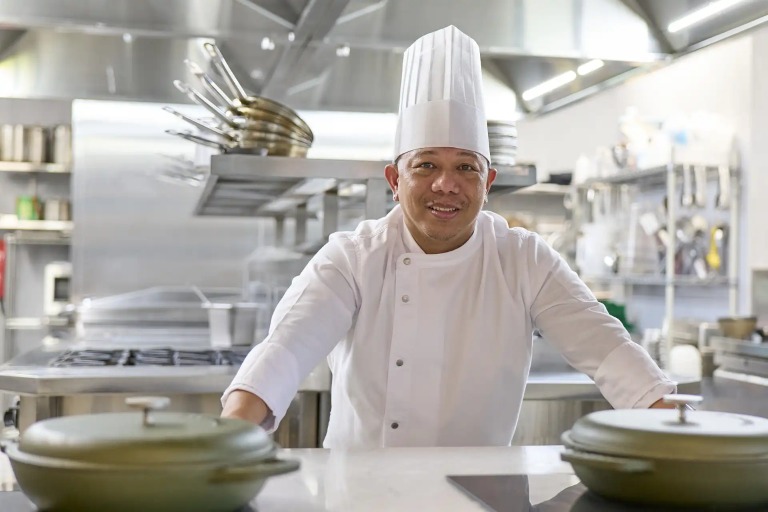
435,349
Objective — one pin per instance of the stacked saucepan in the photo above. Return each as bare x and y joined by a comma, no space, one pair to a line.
243,123
502,138
659,457
153,461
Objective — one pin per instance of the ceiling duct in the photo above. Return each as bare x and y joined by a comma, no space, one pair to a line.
339,54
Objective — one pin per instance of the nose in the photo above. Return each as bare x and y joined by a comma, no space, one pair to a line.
446,181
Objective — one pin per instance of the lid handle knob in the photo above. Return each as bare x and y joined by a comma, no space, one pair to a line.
682,403
147,404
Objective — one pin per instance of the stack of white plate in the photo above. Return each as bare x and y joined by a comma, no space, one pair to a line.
502,137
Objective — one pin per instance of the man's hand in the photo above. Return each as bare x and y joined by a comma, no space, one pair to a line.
245,406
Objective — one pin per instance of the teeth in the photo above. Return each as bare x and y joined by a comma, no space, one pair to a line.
438,208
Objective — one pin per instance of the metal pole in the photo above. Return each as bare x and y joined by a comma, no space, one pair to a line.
330,213
301,224
669,289
733,244
376,198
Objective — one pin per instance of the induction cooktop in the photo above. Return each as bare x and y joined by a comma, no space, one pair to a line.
515,493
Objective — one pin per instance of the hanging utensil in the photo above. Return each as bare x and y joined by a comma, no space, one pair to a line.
723,187
700,195
713,256
218,61
268,110
199,140
687,196
200,124
204,102
252,102
210,86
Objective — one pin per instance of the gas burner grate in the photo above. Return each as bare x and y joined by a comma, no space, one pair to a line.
151,357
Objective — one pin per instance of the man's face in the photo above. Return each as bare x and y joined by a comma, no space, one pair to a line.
441,192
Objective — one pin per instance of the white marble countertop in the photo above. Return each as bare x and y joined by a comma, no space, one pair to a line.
405,479
397,479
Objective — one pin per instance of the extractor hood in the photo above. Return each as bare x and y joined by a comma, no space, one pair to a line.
340,55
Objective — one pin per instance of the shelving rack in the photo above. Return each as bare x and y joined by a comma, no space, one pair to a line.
24,232
278,187
668,176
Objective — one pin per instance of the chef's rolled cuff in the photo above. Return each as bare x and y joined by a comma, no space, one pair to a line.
638,391
271,372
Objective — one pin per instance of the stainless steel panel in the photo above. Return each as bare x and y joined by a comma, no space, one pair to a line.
292,52
133,231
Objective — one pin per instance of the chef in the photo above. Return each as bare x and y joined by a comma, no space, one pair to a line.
426,315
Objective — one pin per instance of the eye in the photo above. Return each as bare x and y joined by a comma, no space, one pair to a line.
467,167
426,165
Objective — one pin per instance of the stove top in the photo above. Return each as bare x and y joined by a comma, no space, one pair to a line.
511,493
151,357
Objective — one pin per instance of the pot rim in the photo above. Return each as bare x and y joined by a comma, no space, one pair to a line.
570,444
16,455
125,439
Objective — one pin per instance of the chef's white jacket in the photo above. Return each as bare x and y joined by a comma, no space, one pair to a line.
435,349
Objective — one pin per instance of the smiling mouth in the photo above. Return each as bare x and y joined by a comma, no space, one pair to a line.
443,212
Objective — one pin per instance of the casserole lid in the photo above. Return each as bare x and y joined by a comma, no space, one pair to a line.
148,437
670,434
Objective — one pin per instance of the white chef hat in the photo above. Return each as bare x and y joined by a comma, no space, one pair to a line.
441,95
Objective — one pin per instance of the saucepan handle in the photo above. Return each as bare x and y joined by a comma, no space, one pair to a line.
620,464
259,469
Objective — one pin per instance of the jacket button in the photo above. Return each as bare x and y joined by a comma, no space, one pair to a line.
395,425
399,362
406,298
407,261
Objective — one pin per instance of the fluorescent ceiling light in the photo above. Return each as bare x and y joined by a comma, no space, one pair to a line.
705,12
549,86
590,66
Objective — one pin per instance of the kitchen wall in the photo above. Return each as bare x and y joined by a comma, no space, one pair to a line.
725,79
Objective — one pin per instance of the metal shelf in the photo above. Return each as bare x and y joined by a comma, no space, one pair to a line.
11,223
652,176
29,167
547,189
263,186
660,280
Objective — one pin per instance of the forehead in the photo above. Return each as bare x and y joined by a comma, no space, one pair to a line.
442,153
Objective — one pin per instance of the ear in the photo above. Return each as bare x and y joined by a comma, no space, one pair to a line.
393,176
489,180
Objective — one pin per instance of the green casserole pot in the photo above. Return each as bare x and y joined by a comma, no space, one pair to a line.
151,461
666,457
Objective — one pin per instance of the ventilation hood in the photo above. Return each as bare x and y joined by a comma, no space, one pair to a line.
342,55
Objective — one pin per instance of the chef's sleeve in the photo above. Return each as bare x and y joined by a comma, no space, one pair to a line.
592,341
315,313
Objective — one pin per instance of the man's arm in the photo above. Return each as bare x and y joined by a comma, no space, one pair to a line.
315,313
591,340
245,406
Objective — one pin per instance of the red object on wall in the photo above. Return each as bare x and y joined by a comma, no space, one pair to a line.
2,267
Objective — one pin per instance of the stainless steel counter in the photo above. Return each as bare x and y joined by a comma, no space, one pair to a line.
554,396
30,375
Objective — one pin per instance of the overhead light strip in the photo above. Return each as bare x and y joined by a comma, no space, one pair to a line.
549,86
590,66
700,15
